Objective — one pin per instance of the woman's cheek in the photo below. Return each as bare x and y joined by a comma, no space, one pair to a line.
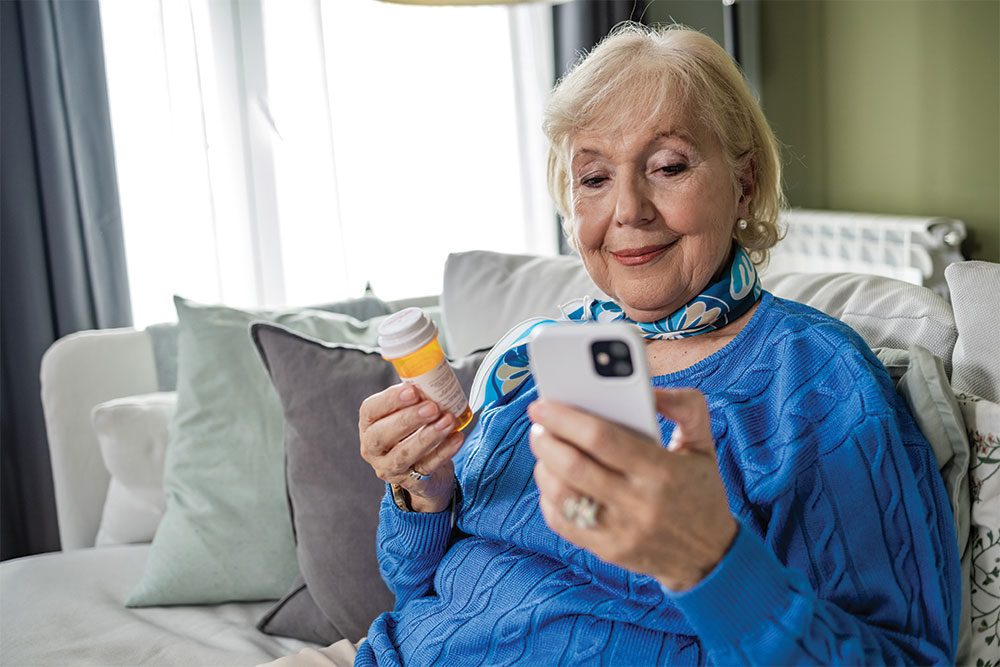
587,226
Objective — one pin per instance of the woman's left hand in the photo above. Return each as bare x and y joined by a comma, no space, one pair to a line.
661,511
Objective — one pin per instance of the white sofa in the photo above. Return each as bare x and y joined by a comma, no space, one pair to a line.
66,608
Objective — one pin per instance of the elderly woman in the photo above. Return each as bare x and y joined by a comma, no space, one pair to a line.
796,515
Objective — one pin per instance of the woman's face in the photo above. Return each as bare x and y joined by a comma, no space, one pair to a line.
654,212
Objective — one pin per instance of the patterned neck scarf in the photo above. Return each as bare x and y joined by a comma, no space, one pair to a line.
719,304
506,367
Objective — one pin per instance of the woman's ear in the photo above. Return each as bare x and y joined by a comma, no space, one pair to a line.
747,183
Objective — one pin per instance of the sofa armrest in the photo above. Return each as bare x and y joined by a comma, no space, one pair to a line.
78,372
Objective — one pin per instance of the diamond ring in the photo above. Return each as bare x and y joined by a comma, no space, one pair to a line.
581,510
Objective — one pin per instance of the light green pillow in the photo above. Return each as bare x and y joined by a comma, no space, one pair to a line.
226,534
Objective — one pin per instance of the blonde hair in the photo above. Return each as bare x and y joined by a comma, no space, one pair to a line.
638,73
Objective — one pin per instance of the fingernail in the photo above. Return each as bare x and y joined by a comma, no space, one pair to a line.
427,410
408,394
537,430
536,410
443,423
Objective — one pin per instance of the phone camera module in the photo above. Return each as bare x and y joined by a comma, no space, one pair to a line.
611,358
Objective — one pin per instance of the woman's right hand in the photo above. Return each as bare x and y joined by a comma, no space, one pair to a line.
402,431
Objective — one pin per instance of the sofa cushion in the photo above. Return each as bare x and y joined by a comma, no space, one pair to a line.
65,608
133,433
974,288
333,494
226,534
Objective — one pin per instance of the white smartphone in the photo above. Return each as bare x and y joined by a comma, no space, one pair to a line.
598,367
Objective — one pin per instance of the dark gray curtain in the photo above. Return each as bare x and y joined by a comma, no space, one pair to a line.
578,26
62,261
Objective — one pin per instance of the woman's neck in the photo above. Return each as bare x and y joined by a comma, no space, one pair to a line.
670,356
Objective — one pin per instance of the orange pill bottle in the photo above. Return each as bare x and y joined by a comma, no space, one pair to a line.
409,339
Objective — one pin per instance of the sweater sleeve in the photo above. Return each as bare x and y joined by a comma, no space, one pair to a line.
410,546
857,565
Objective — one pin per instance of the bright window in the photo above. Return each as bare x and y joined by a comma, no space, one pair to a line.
286,153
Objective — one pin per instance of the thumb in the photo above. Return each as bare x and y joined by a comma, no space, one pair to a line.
689,412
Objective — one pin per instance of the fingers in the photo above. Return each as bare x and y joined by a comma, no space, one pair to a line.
409,414
613,521
378,406
440,454
688,410
399,431
569,471
417,446
614,446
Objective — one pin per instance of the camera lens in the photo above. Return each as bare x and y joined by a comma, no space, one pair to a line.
611,358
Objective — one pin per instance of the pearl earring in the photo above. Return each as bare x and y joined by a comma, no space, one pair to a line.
742,224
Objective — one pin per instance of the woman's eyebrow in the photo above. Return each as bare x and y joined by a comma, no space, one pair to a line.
665,134
672,134
586,152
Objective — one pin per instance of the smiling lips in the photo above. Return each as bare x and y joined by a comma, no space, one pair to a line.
637,256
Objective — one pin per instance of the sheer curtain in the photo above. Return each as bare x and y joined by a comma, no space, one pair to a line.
273,152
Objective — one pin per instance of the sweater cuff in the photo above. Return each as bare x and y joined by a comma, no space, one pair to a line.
742,599
417,532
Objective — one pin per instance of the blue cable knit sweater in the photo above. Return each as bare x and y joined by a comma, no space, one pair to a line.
846,552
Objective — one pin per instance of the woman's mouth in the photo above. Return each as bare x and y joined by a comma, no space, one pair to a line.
637,256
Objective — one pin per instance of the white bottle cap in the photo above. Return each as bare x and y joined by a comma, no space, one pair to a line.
405,332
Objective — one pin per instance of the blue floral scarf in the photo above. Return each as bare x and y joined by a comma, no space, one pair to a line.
506,367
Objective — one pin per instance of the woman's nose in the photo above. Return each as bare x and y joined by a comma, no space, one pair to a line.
632,204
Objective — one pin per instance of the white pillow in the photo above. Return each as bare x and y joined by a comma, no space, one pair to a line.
486,293
974,287
884,311
132,433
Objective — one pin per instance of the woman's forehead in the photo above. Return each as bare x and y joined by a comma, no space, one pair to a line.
636,131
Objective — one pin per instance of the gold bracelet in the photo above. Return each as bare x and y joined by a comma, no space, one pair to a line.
401,497
404,501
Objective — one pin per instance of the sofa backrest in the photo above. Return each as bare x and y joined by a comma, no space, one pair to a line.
487,293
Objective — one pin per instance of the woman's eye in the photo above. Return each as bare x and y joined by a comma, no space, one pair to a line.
592,181
673,169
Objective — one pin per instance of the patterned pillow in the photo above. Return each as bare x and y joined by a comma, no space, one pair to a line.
982,421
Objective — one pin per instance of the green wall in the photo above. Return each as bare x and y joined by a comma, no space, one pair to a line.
883,106
889,107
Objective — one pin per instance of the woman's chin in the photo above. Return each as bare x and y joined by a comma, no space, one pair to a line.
645,314
650,305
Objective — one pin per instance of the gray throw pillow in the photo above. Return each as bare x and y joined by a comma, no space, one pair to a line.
333,494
